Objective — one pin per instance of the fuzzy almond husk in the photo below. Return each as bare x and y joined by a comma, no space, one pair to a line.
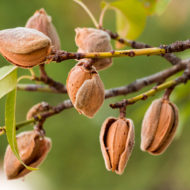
94,40
117,141
33,149
159,126
85,89
43,23
24,47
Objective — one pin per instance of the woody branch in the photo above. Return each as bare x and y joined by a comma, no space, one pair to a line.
164,50
140,45
170,84
57,87
59,56
109,93
124,90
133,87
54,85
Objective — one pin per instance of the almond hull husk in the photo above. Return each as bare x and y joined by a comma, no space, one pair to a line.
159,126
94,40
32,149
86,90
129,144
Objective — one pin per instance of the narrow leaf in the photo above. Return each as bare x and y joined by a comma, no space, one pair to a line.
10,125
8,79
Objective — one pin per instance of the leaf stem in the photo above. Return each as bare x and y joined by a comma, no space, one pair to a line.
24,77
102,14
88,12
21,124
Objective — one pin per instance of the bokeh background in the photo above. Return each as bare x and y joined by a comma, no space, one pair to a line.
75,161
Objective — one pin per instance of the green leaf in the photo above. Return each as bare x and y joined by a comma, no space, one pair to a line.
131,14
161,6
10,125
8,79
130,17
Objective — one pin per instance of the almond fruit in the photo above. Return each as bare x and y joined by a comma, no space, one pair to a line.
159,126
24,47
117,141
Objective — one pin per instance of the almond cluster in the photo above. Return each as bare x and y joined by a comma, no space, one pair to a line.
158,130
30,45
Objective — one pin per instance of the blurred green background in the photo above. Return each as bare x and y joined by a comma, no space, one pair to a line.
75,161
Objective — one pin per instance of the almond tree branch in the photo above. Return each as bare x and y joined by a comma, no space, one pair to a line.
67,103
178,46
172,83
139,45
38,88
59,55
146,81
133,87
54,85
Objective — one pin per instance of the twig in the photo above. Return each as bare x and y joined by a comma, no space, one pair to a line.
122,112
37,88
60,56
118,91
67,103
153,91
178,46
140,83
133,87
168,92
49,81
140,45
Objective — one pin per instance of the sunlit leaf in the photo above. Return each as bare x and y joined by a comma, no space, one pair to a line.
130,16
10,125
8,79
